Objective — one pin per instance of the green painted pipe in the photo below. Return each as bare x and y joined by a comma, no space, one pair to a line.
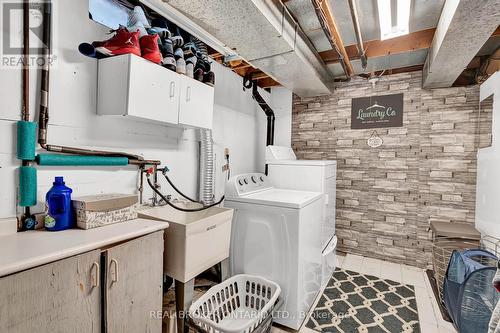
27,186
26,140
80,160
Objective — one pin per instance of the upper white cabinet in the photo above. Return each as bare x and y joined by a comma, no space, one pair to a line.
196,104
131,86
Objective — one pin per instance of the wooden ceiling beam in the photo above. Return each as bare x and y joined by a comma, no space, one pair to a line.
332,26
267,83
377,48
406,69
496,33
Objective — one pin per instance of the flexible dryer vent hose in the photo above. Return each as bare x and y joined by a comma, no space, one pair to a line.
206,167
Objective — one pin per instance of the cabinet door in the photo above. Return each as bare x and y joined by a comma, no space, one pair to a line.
196,104
153,91
63,296
134,282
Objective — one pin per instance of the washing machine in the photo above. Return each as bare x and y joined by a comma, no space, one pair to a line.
276,234
285,171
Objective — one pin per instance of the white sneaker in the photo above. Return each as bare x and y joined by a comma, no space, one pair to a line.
137,21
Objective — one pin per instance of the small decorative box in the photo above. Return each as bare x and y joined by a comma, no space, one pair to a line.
99,210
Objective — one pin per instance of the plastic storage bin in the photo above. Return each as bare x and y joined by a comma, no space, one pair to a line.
237,305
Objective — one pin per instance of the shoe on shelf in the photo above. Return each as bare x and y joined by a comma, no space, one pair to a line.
209,78
198,74
179,61
161,26
202,54
177,41
167,52
190,63
122,42
164,33
150,49
137,21
189,49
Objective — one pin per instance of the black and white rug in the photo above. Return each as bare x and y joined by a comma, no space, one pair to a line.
358,303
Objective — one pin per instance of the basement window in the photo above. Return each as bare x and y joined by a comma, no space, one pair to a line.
110,13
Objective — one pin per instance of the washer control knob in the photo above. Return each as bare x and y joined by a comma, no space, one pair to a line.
245,180
261,178
240,182
254,179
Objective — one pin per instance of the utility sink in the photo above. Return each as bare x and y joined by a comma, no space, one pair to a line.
194,241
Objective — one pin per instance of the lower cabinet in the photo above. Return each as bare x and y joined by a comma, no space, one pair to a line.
63,296
134,285
106,290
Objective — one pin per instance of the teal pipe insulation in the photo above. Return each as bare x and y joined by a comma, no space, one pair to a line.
26,140
27,186
80,160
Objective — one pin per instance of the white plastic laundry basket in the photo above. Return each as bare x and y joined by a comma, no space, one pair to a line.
237,305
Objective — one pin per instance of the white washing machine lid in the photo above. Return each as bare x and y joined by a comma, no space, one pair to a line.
279,155
302,162
279,198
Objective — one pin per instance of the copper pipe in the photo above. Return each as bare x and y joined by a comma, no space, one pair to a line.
26,70
44,104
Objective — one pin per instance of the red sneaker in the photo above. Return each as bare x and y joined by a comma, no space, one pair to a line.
150,49
123,42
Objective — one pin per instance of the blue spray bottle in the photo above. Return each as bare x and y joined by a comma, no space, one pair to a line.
59,213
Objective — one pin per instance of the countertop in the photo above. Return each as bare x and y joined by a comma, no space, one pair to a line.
28,249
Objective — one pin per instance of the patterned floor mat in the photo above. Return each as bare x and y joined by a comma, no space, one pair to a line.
354,302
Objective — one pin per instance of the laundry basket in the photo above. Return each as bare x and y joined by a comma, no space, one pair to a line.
237,305
448,237
468,292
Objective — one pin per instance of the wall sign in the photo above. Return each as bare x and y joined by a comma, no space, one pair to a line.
375,140
377,111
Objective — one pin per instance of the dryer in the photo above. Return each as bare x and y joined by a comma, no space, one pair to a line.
285,171
276,234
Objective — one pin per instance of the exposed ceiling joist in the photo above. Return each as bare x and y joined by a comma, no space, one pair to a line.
267,83
377,48
496,33
327,11
243,68
406,69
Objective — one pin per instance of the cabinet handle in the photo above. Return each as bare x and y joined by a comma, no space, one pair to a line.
188,94
172,89
96,275
114,272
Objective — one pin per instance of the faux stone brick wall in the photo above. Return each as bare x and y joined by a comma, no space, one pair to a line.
424,171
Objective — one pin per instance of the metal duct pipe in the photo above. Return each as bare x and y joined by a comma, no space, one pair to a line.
357,30
272,40
206,167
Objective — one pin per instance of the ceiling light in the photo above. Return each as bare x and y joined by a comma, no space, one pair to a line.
389,29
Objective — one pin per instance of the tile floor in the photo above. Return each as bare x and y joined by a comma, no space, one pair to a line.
428,311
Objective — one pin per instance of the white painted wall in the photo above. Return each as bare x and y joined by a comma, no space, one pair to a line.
488,164
73,121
